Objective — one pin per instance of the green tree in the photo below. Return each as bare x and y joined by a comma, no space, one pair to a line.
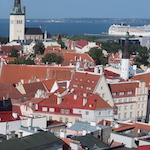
61,43
52,57
23,60
39,48
13,53
4,40
97,55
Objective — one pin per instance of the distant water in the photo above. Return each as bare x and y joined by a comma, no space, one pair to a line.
69,28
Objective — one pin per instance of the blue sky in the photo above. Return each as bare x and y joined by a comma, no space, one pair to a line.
47,9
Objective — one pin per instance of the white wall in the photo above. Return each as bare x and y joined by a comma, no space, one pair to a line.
128,141
40,122
7,127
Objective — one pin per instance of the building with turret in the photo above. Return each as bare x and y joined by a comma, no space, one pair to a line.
18,30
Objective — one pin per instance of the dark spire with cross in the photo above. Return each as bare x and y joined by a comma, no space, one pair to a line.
126,54
17,8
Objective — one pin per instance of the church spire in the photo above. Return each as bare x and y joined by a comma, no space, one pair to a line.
126,54
17,8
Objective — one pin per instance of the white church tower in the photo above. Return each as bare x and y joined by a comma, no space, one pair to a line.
17,22
125,63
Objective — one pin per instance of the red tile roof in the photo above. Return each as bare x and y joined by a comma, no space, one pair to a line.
49,83
81,43
33,87
85,82
143,77
7,49
7,116
142,126
14,73
93,102
124,87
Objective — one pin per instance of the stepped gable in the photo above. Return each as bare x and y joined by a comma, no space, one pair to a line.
124,87
14,73
58,37
85,82
143,77
80,44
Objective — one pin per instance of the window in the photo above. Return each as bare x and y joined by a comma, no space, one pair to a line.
138,113
125,107
119,115
125,115
103,95
113,94
141,113
100,113
51,109
125,100
62,111
121,93
50,117
143,98
142,105
131,114
60,119
120,108
109,112
66,120
129,92
44,108
139,105
130,99
131,106
120,100
67,111
87,112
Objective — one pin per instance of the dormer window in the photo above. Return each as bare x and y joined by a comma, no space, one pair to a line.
80,79
121,93
114,94
129,92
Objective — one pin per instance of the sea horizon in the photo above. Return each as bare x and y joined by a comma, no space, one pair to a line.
73,26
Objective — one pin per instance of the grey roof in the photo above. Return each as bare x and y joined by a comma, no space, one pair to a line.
33,31
37,141
80,126
90,142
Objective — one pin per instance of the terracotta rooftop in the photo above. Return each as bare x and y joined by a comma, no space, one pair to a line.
143,77
14,73
83,81
7,116
129,89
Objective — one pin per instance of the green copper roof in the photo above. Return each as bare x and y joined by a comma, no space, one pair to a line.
17,8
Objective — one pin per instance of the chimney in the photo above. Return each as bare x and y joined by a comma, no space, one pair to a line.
15,115
8,136
84,132
104,122
93,123
13,134
74,145
20,134
59,99
63,133
84,101
75,96
29,122
84,94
